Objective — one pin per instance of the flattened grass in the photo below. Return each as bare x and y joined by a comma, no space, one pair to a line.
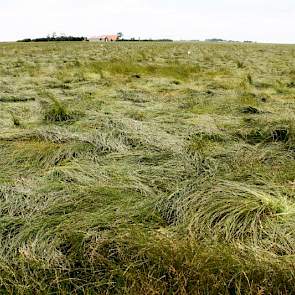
142,169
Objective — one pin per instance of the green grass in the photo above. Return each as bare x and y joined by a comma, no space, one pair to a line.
137,168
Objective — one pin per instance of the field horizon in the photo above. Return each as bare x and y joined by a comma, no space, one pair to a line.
162,40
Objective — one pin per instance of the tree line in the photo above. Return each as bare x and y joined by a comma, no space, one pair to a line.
54,39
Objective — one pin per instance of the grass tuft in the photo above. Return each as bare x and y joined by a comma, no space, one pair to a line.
56,111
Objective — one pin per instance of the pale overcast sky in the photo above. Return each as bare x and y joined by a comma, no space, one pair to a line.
257,20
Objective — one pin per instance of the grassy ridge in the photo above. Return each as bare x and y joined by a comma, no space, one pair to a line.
142,169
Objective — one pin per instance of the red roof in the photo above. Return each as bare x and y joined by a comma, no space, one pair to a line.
106,38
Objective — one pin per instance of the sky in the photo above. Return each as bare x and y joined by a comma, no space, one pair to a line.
270,21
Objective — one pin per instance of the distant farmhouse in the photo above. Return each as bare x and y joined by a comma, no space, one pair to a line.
106,38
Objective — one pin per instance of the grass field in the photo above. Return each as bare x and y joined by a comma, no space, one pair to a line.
147,168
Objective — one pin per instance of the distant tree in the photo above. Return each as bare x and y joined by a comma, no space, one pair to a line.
120,35
215,40
25,40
